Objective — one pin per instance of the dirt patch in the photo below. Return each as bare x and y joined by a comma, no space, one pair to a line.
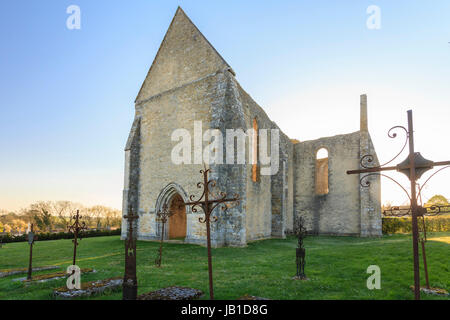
172,293
11,272
55,275
248,297
90,288
433,291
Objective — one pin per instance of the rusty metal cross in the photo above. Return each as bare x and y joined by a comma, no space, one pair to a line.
208,205
31,238
76,228
413,167
300,250
129,285
162,216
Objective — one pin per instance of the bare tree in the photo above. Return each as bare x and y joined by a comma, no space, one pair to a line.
49,214
99,213
43,219
64,210
114,217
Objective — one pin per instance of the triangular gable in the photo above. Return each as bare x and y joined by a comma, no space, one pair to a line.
185,55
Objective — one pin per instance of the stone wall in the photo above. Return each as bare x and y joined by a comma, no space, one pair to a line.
282,191
337,212
227,113
269,204
132,175
258,207
370,195
370,186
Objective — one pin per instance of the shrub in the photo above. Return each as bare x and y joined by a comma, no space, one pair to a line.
403,225
60,235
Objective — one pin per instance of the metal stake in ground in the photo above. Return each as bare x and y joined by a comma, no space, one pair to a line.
300,250
433,210
129,287
414,166
1,238
76,228
162,216
208,205
31,239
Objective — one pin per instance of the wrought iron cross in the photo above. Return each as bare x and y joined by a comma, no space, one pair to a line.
208,205
31,238
414,166
76,228
300,250
129,291
162,216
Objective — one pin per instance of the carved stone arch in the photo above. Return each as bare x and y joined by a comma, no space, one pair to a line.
165,196
167,193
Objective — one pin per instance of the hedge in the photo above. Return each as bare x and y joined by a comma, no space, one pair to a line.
60,235
403,225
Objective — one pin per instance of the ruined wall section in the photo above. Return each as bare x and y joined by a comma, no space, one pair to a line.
370,186
282,190
370,195
258,207
289,226
268,200
337,212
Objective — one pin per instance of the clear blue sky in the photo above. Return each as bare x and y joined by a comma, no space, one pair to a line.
67,95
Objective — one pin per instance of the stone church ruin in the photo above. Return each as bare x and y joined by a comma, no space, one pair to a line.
189,81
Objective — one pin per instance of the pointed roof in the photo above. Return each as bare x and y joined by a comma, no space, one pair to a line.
185,55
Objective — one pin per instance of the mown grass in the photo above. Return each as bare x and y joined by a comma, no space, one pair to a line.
336,267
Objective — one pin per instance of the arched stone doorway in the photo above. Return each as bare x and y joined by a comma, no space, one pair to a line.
178,221
174,195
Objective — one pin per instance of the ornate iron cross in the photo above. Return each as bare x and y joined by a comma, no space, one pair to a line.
414,166
162,216
300,250
76,228
208,205
129,285
31,238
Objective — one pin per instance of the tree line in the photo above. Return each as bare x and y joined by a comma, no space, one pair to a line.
51,216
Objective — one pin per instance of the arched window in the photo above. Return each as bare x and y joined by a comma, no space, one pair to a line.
322,171
255,152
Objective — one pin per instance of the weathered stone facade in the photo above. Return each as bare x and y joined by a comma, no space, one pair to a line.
189,81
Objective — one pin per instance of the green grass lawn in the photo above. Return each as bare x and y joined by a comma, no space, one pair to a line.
336,267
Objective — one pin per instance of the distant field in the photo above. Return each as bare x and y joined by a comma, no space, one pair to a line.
336,267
